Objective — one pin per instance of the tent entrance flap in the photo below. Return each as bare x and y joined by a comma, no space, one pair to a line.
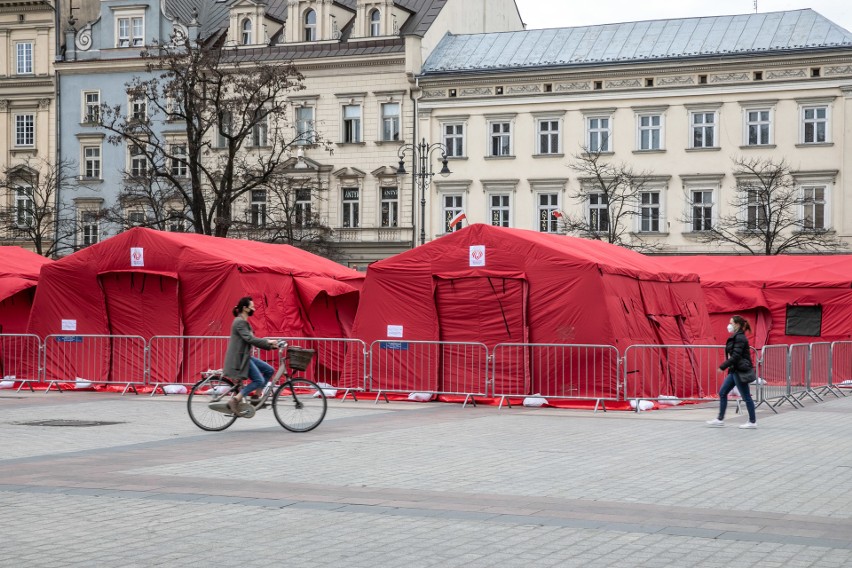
489,310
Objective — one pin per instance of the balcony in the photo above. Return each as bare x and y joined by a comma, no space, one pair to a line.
390,235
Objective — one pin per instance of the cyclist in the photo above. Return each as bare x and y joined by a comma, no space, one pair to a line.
239,364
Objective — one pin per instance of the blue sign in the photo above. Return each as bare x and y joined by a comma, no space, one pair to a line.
394,345
69,339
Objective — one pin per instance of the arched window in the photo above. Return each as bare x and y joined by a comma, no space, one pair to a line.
375,23
246,29
310,25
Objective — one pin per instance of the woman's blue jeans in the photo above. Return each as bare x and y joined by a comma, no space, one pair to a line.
730,381
259,373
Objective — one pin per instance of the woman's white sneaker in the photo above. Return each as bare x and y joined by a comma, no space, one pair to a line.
748,426
716,423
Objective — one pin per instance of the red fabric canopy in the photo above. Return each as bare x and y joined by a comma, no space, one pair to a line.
19,271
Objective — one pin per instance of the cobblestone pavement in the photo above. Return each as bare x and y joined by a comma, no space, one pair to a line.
419,485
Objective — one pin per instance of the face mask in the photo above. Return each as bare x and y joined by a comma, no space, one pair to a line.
251,312
731,328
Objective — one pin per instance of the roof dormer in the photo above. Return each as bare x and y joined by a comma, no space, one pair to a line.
378,18
316,20
249,25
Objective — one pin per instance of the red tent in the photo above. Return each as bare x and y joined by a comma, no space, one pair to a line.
786,299
19,270
151,283
495,285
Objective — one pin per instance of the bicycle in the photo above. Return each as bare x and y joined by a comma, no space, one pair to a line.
299,405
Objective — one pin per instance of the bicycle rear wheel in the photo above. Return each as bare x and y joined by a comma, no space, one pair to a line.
299,405
216,390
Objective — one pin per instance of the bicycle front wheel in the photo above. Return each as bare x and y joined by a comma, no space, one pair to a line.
299,405
207,395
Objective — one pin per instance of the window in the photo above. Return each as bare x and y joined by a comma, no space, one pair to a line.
375,23
92,162
310,25
138,108
498,210
501,138
755,211
454,139
138,161
814,201
815,124
246,32
351,123
24,58
548,136
702,210
351,207
598,212
91,107
649,211
135,218
453,207
258,208
179,166
390,121
758,127
260,131
650,131
24,206
224,129
131,31
390,207
303,207
548,205
305,133
803,320
24,130
175,222
703,126
598,133
89,228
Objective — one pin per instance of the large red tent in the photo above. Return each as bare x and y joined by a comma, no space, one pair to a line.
19,270
152,283
497,285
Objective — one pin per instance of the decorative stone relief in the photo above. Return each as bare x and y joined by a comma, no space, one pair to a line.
676,80
623,83
786,74
475,91
839,70
4,105
729,77
578,86
523,89
83,41
434,93
43,104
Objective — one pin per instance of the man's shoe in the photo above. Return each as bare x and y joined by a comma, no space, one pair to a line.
716,423
748,426
234,406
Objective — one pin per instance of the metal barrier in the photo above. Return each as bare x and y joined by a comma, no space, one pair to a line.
179,359
95,359
684,372
20,359
555,371
800,372
432,367
775,372
819,380
841,366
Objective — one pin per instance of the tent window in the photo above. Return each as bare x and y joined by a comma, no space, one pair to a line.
804,320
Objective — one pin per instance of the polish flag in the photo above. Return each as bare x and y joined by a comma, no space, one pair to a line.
558,214
457,219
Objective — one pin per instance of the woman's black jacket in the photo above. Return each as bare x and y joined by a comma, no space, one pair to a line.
738,353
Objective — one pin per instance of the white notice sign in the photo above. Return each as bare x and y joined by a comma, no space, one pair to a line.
394,331
137,256
477,255
69,325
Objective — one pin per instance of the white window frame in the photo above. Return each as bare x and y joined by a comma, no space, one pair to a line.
24,204
226,121
352,131
392,120
826,186
350,217
449,139
506,128
599,206
133,216
659,206
804,121
449,211
260,131
750,123
138,107
24,58
137,161
90,227
650,128
503,210
594,128
309,29
553,137
25,130
179,168
91,160
305,129
375,23
714,206
546,221
246,32
392,203
713,125
302,207
258,201
91,109
134,36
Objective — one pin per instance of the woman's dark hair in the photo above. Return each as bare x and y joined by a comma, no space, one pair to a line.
740,321
243,303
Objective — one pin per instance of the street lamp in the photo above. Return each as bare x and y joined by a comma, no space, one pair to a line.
422,172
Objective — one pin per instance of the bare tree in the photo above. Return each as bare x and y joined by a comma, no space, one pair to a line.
770,213
228,131
612,193
32,214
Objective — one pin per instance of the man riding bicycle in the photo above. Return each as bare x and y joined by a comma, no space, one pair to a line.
239,364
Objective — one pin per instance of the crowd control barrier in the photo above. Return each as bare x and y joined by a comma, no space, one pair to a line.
20,360
674,372
176,359
86,360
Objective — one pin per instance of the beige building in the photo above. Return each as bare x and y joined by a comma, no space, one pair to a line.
677,99
27,111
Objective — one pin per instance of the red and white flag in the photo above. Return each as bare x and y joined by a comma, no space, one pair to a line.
558,214
457,219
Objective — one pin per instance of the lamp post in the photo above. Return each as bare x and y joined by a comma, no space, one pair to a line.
422,171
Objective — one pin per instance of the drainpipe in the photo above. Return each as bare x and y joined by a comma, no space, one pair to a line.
414,94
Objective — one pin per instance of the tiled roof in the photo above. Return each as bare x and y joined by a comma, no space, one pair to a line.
638,41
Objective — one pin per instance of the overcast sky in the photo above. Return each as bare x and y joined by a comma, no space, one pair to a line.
561,13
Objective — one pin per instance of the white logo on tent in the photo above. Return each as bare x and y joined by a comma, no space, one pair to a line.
477,255
137,256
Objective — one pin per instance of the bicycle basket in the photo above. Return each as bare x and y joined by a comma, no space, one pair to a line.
299,358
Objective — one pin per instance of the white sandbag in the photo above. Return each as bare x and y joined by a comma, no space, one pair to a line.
174,389
760,381
643,404
667,400
328,390
420,396
221,389
535,401
735,393
846,383
82,383
8,382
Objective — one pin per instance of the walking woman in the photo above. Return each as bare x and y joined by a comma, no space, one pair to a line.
738,356
239,364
